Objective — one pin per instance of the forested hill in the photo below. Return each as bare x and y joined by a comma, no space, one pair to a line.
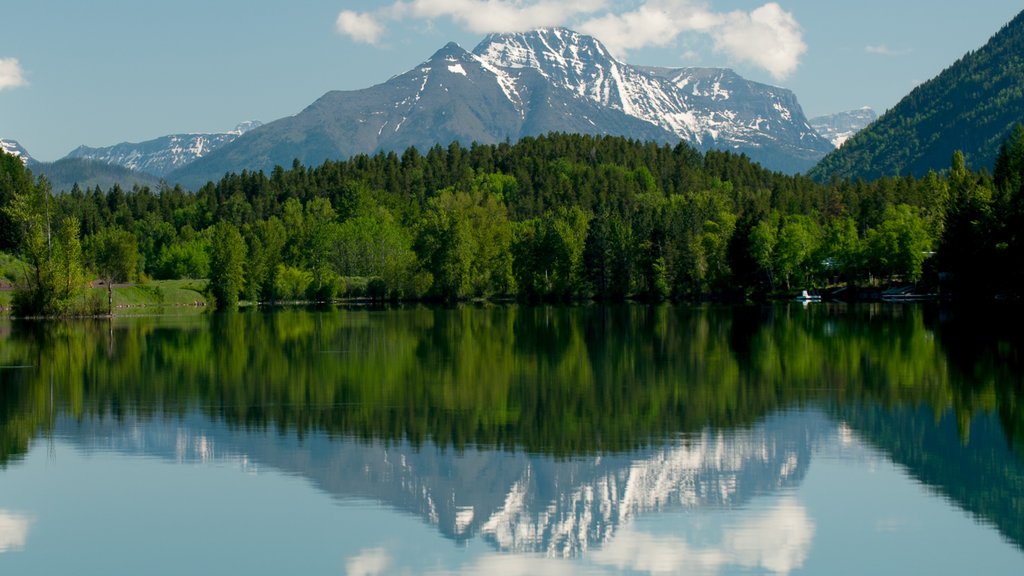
971,106
555,217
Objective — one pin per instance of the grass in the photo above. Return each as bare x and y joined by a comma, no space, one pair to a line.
152,294
157,293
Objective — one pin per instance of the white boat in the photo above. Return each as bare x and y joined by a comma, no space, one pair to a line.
808,297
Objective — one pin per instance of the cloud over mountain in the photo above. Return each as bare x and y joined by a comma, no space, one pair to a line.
11,74
767,37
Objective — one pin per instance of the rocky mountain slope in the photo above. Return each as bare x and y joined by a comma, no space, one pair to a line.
839,127
163,155
524,84
13,148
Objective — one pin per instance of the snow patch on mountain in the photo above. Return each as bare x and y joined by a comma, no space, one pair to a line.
14,149
840,127
705,107
512,86
162,155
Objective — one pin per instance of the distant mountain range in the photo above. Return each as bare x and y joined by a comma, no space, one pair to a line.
523,84
556,80
510,86
163,155
87,173
126,164
839,127
971,106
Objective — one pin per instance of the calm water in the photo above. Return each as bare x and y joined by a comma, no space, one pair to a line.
515,440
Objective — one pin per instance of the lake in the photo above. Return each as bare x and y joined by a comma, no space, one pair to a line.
503,440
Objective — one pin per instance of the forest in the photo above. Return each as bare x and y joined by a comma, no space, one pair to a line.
552,218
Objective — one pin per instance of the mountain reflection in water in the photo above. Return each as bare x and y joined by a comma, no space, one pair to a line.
554,432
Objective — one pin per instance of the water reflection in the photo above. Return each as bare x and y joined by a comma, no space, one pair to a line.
517,502
777,540
545,432
13,531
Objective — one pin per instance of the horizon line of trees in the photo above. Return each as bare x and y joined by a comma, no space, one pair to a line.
558,217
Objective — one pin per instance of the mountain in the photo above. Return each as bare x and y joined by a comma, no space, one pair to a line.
764,122
13,148
66,172
971,106
163,155
525,84
839,127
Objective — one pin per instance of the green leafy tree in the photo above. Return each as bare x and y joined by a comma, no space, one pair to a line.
265,241
291,283
114,255
700,227
764,238
799,239
840,250
15,180
55,276
967,248
375,245
899,246
320,234
227,262
465,242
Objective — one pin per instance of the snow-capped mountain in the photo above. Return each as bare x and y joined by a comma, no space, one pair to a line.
163,155
525,84
840,127
13,148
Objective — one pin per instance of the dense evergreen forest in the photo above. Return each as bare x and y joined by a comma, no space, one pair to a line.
557,218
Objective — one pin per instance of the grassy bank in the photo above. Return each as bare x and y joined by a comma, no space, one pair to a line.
129,297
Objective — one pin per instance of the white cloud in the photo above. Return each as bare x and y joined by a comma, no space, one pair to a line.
652,23
11,75
884,50
360,27
767,37
13,529
486,16
368,563
478,16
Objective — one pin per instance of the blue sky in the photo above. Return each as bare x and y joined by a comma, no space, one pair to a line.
108,71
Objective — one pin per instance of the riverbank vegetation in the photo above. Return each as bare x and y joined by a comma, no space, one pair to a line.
552,218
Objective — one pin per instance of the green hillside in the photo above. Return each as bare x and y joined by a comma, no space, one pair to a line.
971,106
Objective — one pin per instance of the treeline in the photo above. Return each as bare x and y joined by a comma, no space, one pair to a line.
558,217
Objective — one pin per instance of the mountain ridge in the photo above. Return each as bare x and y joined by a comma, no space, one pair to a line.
516,85
13,148
161,156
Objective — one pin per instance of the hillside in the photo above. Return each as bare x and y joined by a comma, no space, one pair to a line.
64,174
971,106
